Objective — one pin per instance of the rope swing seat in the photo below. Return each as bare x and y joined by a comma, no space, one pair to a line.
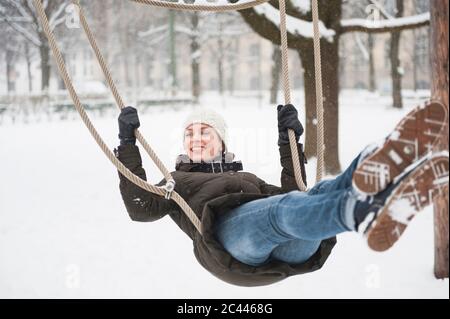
167,191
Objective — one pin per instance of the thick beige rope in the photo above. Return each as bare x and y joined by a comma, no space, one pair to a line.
122,169
319,93
287,95
202,7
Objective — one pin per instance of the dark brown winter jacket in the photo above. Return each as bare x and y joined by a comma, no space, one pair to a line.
210,194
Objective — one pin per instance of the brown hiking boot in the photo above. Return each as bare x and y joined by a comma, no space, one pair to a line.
416,190
414,137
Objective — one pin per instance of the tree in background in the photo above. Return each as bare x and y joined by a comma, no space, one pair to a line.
218,34
439,91
21,17
276,72
264,19
396,68
11,52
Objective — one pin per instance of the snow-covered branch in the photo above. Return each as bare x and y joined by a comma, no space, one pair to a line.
152,31
229,31
158,39
21,17
361,47
382,10
25,33
19,8
187,31
16,19
56,18
303,6
294,25
20,29
379,26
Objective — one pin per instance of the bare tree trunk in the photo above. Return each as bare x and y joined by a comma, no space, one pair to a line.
9,70
372,74
126,70
395,61
173,57
439,75
45,64
330,70
195,57
260,77
122,32
126,55
28,61
137,78
234,64
310,105
220,59
415,60
276,69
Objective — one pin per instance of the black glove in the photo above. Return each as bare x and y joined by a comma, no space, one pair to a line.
288,119
128,122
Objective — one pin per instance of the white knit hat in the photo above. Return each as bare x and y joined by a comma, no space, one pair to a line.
211,118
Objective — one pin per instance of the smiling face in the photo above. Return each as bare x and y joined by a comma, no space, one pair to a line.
201,142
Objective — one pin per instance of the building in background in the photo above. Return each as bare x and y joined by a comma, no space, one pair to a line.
245,63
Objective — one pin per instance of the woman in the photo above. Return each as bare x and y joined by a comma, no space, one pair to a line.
254,233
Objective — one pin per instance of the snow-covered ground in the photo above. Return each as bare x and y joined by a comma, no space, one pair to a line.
64,231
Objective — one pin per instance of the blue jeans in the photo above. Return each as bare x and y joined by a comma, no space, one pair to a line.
289,227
